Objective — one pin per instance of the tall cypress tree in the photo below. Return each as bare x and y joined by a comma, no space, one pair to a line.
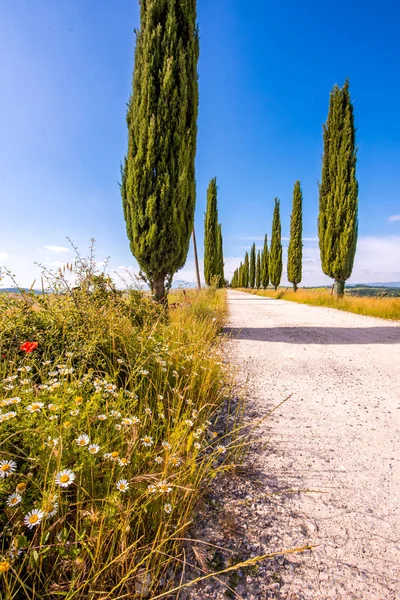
220,257
158,176
246,271
211,234
295,251
275,254
338,191
265,264
258,270
252,271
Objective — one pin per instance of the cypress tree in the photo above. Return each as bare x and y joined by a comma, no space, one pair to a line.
295,251
252,271
265,264
240,275
258,270
275,254
220,258
246,270
158,176
211,234
338,191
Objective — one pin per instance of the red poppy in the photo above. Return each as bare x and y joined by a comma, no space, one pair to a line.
28,346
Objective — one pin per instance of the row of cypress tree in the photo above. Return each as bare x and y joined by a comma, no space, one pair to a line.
213,244
265,267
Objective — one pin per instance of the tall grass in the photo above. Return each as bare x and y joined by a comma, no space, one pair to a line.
385,308
106,438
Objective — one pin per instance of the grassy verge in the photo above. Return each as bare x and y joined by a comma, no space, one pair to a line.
385,308
106,439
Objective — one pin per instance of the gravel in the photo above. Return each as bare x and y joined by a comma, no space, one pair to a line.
323,469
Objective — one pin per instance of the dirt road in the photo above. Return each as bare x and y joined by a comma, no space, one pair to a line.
338,437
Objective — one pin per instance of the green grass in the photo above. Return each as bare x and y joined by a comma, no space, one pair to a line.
110,370
384,307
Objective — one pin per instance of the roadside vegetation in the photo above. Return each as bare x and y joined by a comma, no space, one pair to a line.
106,438
384,307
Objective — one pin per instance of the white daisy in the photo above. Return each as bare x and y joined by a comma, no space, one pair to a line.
147,441
35,407
118,426
166,445
175,461
163,487
197,446
10,401
7,468
33,518
122,485
189,423
158,460
102,417
221,449
93,448
168,508
115,413
51,509
123,462
74,412
82,440
148,411
151,488
14,499
7,416
64,478
126,422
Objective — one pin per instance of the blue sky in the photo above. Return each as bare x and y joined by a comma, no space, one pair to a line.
266,70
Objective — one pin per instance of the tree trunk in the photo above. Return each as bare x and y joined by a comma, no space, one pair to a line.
339,287
275,287
159,290
295,287
196,260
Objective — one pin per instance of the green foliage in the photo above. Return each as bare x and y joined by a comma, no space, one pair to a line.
295,251
275,254
338,192
213,244
265,264
158,175
245,272
220,258
109,365
252,271
258,270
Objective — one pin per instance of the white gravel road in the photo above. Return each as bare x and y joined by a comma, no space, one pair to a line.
338,437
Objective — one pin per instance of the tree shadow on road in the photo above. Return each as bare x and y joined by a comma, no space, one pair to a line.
318,335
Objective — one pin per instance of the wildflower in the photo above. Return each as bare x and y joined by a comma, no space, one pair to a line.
130,394
10,379
147,441
102,417
135,420
123,462
144,372
114,455
122,485
109,387
4,566
8,388
189,402
7,468
126,422
7,416
53,373
14,499
162,416
197,446
20,488
46,362
78,400
175,461
115,413
221,449
163,487
189,423
25,381
168,508
69,354
107,455
33,518
35,407
166,445
160,397
158,460
74,412
93,448
13,552
51,442
24,369
151,488
52,407
28,347
82,440
120,361
64,478
50,509
118,426
148,411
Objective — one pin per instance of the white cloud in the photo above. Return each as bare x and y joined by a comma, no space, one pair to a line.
394,218
3,256
56,249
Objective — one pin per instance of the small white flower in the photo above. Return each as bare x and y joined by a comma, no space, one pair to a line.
33,518
25,381
122,485
115,413
64,478
147,441
93,448
102,417
14,499
51,509
158,460
168,508
148,411
175,461
221,449
151,488
144,372
69,354
35,407
123,462
189,423
7,468
163,487
82,440
160,397
120,361
7,416
107,455
9,401
197,446
109,387
166,445
127,421
118,426
74,412
13,552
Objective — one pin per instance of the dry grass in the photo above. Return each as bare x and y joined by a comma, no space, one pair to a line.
385,308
